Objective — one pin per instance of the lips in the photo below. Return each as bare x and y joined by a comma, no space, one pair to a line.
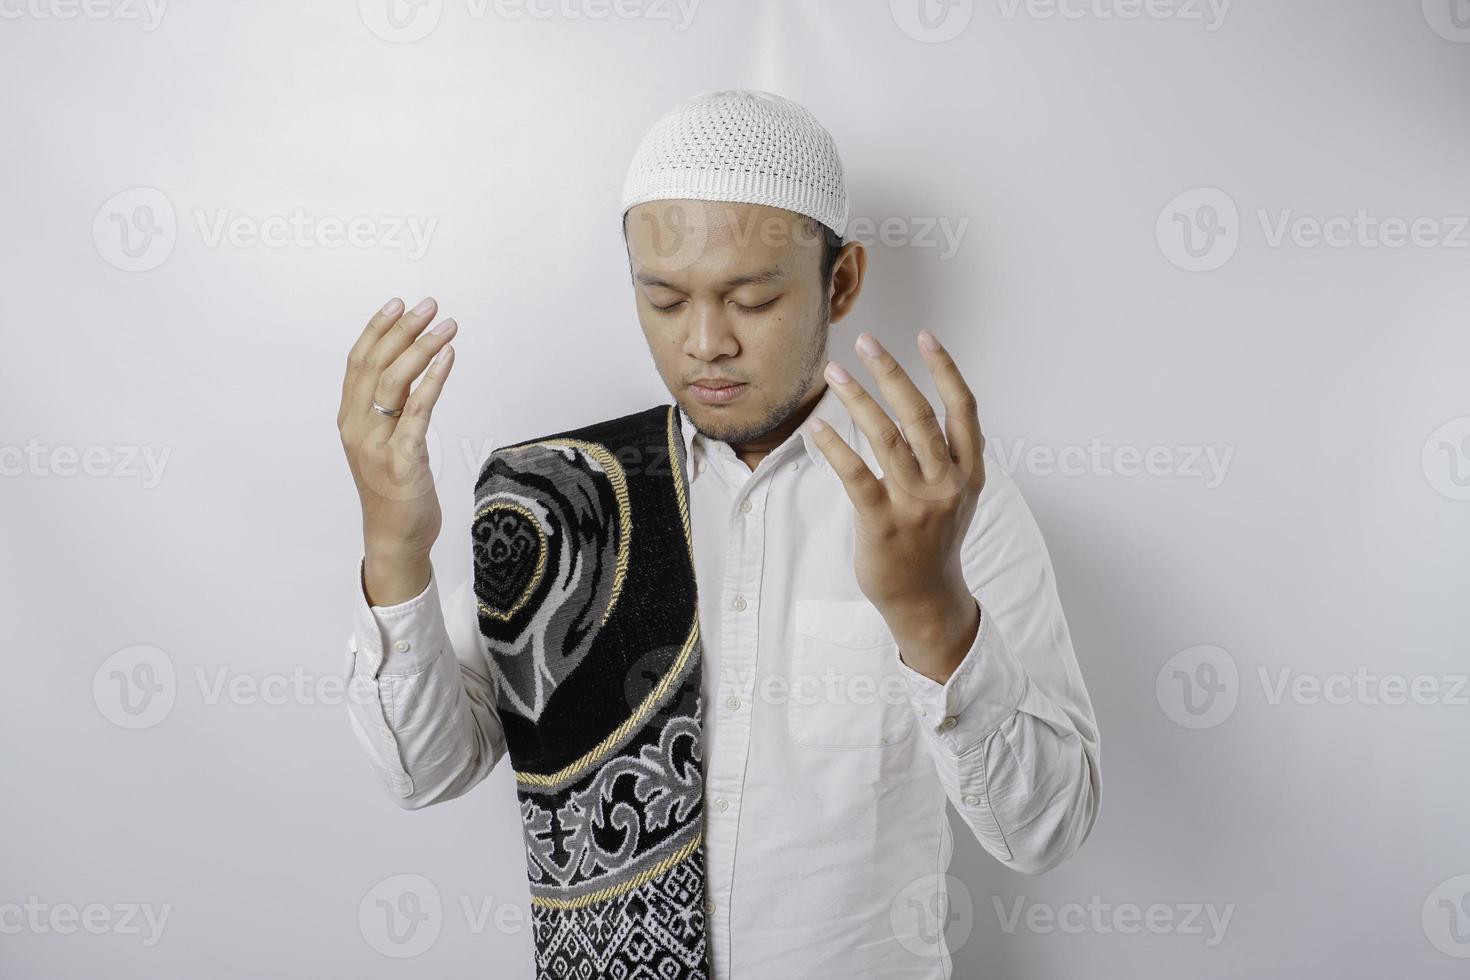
718,391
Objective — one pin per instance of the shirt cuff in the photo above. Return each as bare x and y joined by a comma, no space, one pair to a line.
984,690
399,639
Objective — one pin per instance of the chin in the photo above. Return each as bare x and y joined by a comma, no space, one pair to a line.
715,421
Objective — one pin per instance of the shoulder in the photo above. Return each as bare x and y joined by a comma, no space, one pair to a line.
642,431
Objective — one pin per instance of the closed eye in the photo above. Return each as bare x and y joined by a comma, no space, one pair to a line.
753,309
743,309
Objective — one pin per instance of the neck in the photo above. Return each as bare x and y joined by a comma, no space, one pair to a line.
751,453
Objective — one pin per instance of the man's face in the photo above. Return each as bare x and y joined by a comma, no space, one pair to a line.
730,293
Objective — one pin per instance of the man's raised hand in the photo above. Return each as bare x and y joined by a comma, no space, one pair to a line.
388,455
911,522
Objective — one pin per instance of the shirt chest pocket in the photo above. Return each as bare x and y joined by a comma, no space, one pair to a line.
845,690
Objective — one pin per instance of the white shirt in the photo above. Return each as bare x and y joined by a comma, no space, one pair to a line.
827,760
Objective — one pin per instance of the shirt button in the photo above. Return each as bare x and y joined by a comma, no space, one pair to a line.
919,709
745,506
739,602
722,804
733,703
401,646
702,466
794,464
972,800
949,722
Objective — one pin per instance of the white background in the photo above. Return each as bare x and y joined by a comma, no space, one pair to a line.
1332,544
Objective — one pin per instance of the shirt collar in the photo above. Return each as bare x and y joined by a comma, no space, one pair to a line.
829,408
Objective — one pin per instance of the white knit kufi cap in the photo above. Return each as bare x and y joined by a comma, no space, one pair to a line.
745,147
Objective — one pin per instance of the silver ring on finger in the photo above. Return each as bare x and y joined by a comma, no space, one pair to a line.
392,413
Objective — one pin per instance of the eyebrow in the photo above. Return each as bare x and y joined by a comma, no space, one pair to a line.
774,274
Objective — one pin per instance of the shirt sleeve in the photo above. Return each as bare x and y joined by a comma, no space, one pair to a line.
421,704
1012,731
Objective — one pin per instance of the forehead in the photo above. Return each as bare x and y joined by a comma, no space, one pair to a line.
688,243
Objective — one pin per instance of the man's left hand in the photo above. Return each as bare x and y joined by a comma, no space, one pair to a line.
911,522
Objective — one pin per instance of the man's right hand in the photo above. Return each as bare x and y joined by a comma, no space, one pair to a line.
388,455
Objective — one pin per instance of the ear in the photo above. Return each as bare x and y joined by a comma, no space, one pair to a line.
847,278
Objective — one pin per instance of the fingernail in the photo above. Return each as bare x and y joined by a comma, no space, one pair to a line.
442,356
928,341
837,374
391,307
867,345
818,425
444,327
425,305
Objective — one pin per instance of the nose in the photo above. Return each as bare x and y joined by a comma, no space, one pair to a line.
710,334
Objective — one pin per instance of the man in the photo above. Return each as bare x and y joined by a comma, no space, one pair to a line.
879,625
